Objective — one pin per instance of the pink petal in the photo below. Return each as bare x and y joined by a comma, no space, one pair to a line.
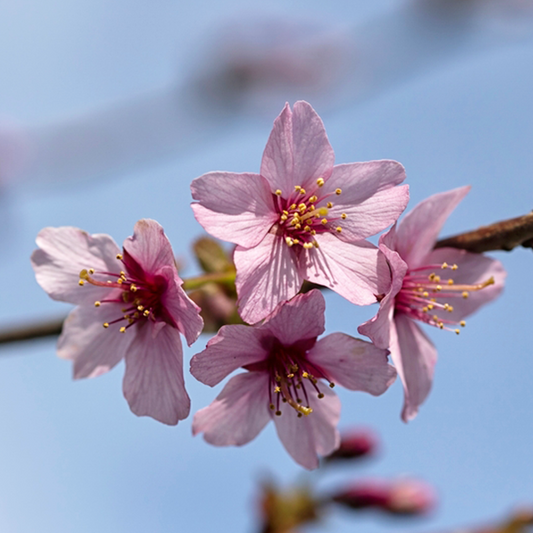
415,357
239,412
378,328
63,253
94,349
418,231
350,269
266,276
299,319
353,363
153,381
233,207
314,434
369,197
184,312
233,346
473,269
149,246
298,151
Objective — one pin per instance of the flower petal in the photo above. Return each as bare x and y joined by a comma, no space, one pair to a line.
149,247
266,276
353,363
473,269
378,328
415,357
418,231
239,412
301,318
233,346
350,269
63,252
153,381
369,198
94,349
184,312
316,433
234,207
298,151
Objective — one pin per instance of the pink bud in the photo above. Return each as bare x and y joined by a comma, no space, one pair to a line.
401,497
355,444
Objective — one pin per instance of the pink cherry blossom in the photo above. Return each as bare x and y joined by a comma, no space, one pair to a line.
301,218
130,305
287,378
421,290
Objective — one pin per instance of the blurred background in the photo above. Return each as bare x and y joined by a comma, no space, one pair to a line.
109,110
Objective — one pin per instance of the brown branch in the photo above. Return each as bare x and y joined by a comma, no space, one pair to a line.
50,328
504,235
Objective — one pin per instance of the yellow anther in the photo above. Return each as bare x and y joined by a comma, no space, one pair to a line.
431,277
446,307
122,274
338,191
302,206
290,376
308,245
133,288
285,212
302,191
425,309
292,206
122,329
97,304
296,241
119,257
454,267
420,289
322,212
444,265
441,325
465,294
435,318
105,324
277,390
320,182
450,308
315,244
338,229
81,283
324,221
425,294
84,274
289,241
457,331
278,192
120,281
305,375
305,410
450,281
313,199
297,187
438,288
284,217
436,279
91,271
307,228
313,232
146,312
329,205
343,216
140,308
462,323
430,306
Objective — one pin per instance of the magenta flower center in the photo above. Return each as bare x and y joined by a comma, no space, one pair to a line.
292,378
140,294
304,214
429,297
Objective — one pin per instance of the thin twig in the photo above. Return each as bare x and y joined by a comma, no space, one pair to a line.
50,328
504,235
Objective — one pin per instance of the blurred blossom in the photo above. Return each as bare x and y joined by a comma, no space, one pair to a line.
14,151
283,511
401,497
355,444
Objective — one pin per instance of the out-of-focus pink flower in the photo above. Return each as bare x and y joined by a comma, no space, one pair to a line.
130,305
301,218
287,368
420,292
403,497
354,444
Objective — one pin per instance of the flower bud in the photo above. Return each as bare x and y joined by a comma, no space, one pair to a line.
401,497
354,444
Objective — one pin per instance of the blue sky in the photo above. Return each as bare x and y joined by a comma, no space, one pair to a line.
72,456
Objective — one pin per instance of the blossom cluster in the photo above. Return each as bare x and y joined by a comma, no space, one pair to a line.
300,219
